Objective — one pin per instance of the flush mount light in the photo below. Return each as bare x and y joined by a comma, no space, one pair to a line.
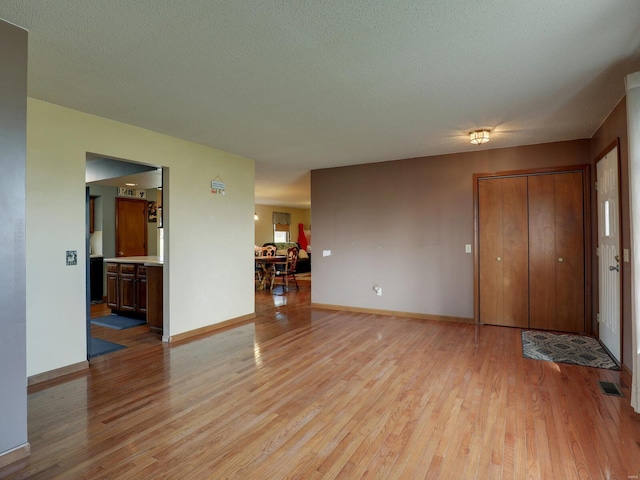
479,137
131,184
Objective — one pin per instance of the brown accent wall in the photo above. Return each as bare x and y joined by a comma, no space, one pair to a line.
613,128
403,225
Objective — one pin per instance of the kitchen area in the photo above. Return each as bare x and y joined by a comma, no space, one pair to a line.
126,247
134,288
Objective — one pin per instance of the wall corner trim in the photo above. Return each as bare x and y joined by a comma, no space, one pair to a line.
57,373
216,327
632,81
14,455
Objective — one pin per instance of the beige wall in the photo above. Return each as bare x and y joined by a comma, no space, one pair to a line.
264,227
208,277
403,225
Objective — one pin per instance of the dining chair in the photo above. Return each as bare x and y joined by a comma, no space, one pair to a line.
286,270
263,271
258,267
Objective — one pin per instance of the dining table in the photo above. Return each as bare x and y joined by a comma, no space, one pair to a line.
266,263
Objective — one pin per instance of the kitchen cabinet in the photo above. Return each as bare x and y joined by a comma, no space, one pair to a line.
141,288
127,287
113,285
154,298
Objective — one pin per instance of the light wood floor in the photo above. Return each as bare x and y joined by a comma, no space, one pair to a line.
306,393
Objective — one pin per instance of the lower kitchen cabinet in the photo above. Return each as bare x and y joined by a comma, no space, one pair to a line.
154,299
127,287
113,281
141,288
135,289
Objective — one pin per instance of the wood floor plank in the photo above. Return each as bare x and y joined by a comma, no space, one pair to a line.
318,394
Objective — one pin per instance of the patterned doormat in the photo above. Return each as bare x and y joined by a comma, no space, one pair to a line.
565,348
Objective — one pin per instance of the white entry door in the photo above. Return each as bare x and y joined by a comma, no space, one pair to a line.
609,252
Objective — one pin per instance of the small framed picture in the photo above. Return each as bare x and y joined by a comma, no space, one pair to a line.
152,212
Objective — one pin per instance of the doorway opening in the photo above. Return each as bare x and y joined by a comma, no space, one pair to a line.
117,301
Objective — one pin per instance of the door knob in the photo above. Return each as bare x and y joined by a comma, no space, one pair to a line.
499,259
616,268
560,259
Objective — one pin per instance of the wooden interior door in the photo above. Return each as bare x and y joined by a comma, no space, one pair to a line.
557,252
131,227
503,244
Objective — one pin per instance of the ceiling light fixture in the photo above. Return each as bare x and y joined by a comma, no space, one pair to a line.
479,137
131,184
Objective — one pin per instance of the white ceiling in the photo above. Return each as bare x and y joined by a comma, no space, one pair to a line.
301,85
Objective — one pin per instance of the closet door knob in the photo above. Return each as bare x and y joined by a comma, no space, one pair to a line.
499,259
560,259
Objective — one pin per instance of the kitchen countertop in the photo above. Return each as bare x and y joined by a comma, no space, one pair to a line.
149,260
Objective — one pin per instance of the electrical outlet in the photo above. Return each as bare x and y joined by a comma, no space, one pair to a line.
378,290
72,257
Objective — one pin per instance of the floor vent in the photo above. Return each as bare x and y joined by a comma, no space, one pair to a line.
609,388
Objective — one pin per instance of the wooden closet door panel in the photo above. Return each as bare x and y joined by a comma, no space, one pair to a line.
503,282
542,261
516,247
556,252
570,276
490,282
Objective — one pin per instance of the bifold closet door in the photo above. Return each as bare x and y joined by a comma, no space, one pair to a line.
503,251
556,252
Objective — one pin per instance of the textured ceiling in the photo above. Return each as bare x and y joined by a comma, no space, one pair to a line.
301,85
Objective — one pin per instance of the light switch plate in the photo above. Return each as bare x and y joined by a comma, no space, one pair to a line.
72,257
467,248
326,253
